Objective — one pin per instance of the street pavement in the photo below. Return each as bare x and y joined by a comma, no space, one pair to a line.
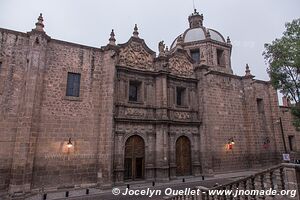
175,186
189,182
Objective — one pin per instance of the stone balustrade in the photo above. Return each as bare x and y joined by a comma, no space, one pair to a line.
285,176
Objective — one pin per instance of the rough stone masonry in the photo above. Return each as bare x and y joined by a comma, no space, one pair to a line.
73,115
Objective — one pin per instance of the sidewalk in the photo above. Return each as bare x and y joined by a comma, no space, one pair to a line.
59,195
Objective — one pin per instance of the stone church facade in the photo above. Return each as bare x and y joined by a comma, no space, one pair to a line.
74,115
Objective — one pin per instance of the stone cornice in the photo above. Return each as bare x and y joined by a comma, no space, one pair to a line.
223,74
153,121
75,45
13,32
50,39
156,73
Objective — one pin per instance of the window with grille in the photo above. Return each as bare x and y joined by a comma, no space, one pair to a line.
134,91
73,84
180,96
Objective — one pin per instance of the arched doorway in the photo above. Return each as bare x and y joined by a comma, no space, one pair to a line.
134,158
183,156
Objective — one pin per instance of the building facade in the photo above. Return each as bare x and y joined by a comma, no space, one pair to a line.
74,115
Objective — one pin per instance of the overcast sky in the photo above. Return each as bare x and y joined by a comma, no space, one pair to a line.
249,24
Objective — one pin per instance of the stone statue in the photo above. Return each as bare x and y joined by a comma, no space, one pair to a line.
161,47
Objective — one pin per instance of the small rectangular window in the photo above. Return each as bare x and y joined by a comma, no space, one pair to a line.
291,142
220,57
180,96
195,54
0,66
134,91
260,105
73,84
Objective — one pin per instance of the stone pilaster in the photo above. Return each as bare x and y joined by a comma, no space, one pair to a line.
29,114
162,157
172,158
106,133
196,165
118,159
150,158
205,138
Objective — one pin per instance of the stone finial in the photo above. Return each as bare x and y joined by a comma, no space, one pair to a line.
248,72
208,34
228,40
112,40
179,43
135,32
180,39
195,12
39,26
167,49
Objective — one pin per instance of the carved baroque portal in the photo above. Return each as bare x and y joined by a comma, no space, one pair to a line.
134,55
180,65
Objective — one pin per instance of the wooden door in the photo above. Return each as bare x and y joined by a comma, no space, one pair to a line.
134,158
183,156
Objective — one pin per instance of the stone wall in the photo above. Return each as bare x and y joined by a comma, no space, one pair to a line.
13,58
289,130
230,112
64,117
37,118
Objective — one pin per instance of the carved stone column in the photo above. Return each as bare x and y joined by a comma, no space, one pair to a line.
162,167
172,158
150,158
119,159
196,165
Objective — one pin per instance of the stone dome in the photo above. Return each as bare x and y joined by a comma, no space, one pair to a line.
197,31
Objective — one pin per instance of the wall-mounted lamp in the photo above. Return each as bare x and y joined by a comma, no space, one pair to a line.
230,143
266,142
69,144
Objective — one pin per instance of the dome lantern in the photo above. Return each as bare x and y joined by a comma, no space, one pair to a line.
196,20
197,32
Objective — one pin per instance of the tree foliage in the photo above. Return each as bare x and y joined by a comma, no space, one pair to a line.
283,57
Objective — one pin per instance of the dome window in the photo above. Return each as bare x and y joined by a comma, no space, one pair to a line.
220,57
195,54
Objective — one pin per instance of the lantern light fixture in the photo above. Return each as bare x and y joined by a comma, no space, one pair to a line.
69,144
231,141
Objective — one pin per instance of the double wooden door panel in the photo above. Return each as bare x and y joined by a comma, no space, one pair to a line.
183,156
134,158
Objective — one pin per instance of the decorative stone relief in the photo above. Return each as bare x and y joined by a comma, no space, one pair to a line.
137,128
180,65
182,115
183,130
134,55
135,112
